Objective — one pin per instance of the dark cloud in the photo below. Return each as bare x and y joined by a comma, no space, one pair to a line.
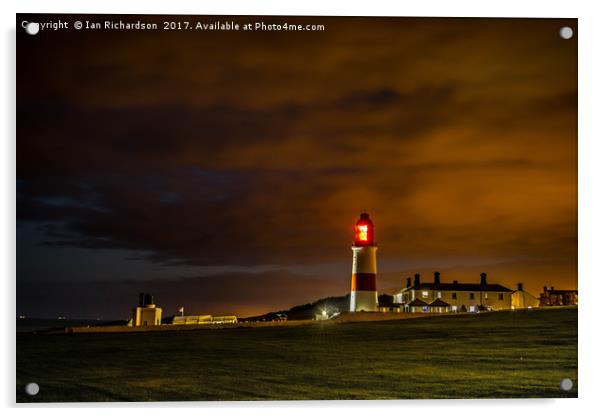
243,293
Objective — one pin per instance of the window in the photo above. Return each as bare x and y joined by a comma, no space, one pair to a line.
438,295
486,295
501,296
472,295
454,295
472,308
454,308
425,294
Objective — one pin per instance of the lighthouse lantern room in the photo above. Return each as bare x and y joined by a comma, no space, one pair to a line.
364,297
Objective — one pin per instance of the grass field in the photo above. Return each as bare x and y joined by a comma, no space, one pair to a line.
490,355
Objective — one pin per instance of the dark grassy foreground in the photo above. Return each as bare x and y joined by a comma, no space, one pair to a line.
504,354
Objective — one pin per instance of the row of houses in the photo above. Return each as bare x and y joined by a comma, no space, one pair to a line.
557,297
440,297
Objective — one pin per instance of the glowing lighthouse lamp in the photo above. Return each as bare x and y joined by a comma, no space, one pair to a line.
363,278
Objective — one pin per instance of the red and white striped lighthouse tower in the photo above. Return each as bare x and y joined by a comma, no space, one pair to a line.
363,278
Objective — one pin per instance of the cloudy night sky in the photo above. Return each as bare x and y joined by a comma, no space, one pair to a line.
224,171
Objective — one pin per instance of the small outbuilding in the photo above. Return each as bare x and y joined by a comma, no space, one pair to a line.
386,304
439,306
417,305
522,299
146,313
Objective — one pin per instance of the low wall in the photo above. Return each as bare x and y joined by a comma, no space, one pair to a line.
169,327
340,319
379,316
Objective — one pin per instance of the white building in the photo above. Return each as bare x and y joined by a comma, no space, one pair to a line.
146,313
439,297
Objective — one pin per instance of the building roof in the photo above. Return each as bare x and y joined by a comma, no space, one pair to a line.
461,287
388,304
417,302
439,302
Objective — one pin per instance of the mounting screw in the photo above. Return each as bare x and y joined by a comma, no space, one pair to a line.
32,389
566,384
566,32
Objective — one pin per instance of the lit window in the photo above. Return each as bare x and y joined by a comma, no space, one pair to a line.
454,308
439,295
472,308
486,296
425,294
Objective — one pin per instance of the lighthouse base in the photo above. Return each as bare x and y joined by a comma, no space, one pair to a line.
363,301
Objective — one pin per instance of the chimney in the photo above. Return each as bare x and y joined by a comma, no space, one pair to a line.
437,278
409,282
416,279
483,279
545,289
519,287
552,288
141,299
148,299
455,282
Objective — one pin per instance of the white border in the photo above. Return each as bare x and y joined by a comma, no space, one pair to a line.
590,200
464,8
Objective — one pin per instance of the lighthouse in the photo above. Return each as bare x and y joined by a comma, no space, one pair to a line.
363,278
